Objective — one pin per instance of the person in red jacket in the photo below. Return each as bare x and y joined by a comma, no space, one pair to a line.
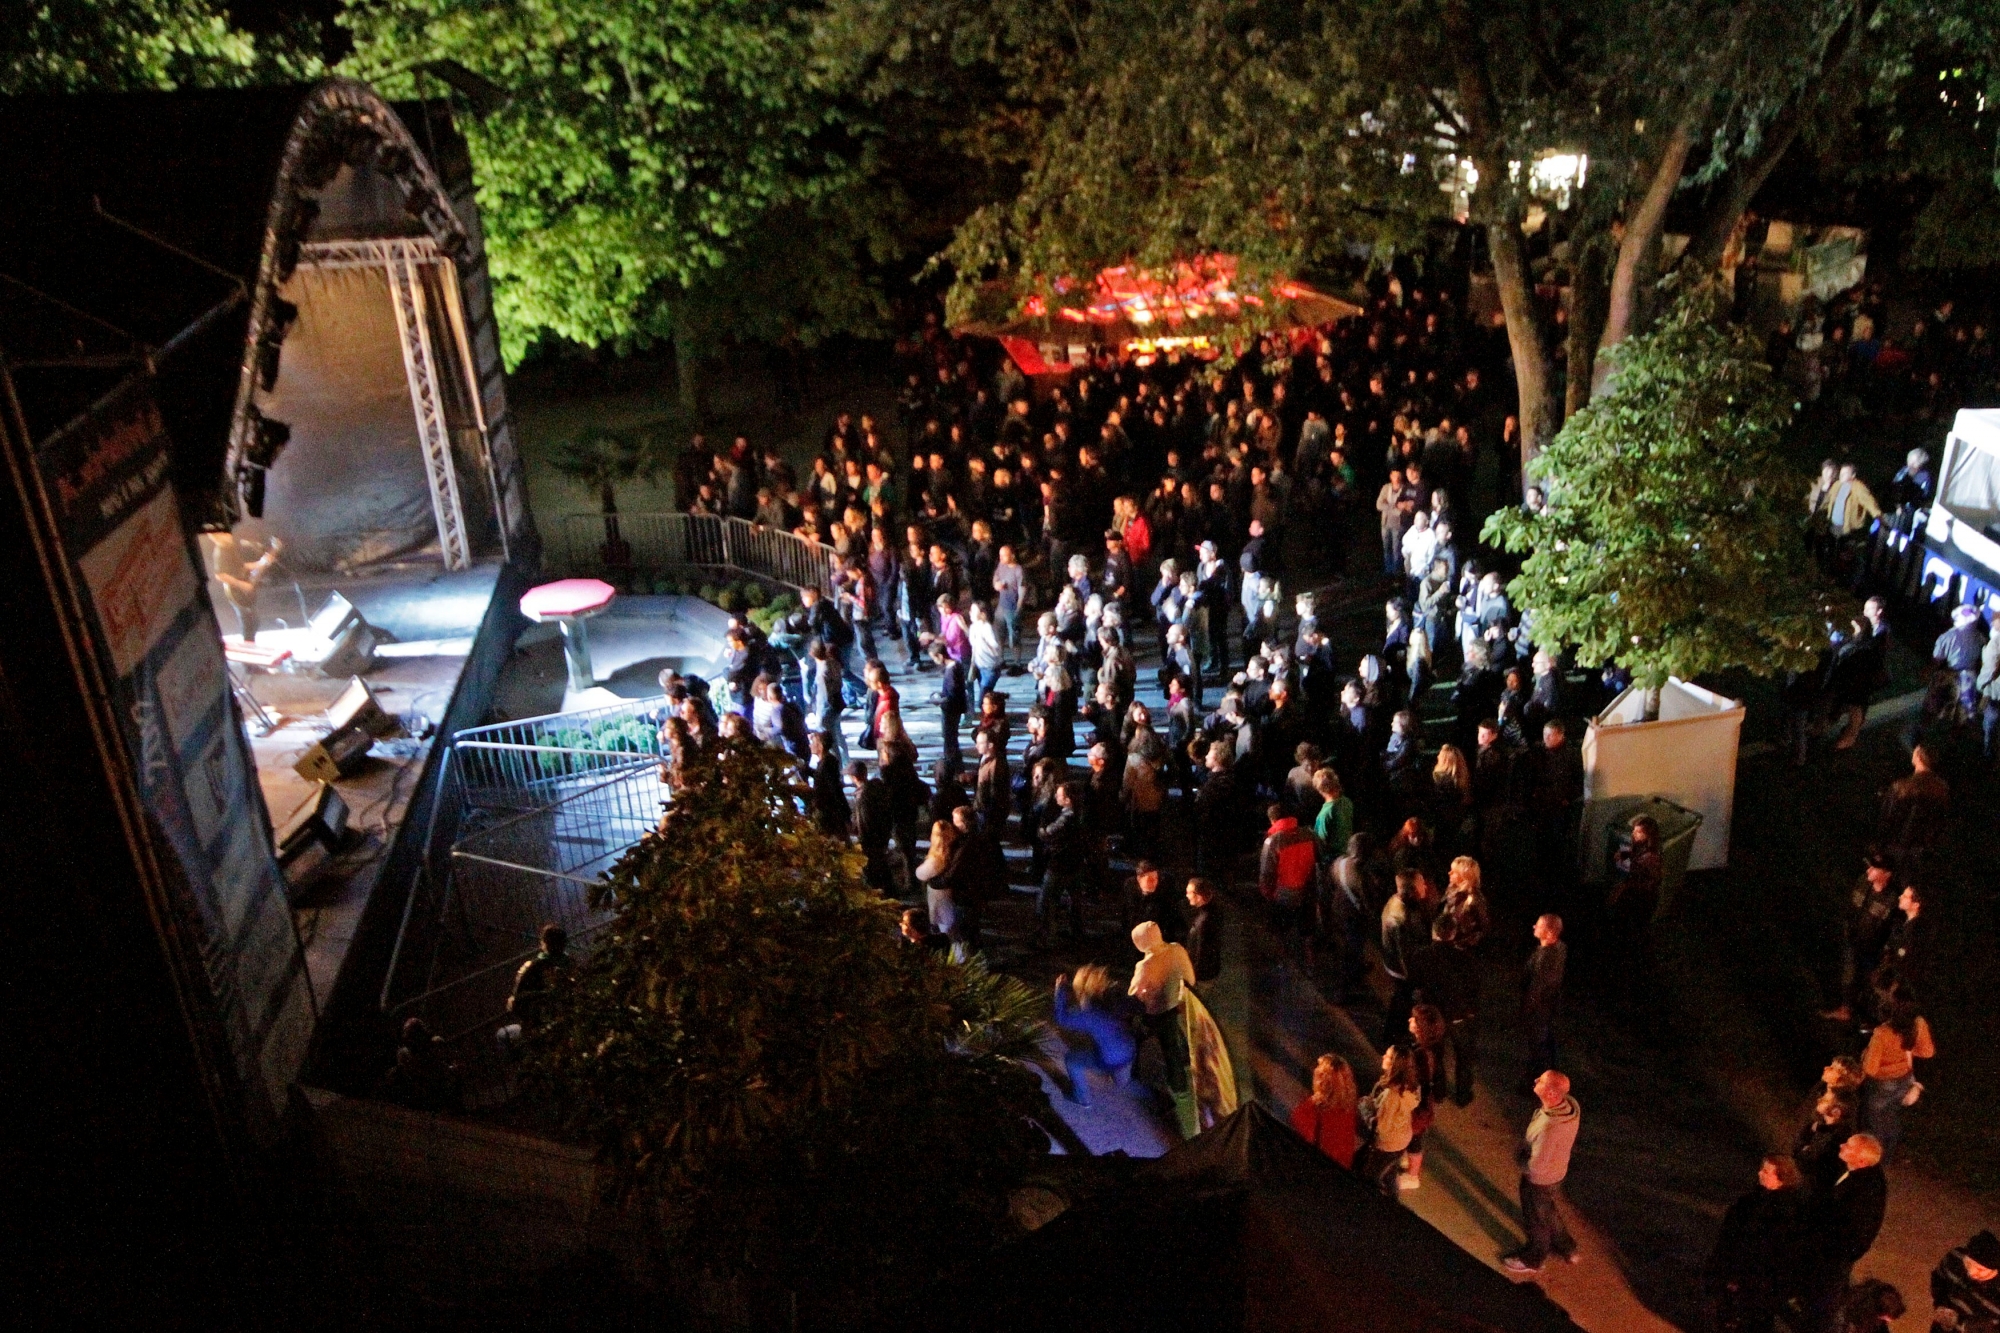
1326,1119
1285,877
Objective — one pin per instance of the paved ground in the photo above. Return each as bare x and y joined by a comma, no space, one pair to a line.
1672,1129
1682,1087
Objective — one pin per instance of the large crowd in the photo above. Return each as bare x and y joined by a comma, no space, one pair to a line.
1166,520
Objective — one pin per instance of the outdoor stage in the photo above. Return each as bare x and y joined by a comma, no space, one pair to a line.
428,622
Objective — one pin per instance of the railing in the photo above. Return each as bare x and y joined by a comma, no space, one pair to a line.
517,765
599,544
1888,559
472,925
527,813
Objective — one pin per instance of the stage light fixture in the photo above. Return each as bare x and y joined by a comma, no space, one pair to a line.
250,490
271,439
292,233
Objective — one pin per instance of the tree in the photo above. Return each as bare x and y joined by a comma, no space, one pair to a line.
72,46
1291,134
786,1088
644,157
1673,541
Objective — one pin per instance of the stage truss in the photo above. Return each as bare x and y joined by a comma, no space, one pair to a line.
403,259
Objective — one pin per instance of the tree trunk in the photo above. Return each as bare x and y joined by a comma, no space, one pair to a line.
616,551
1534,371
1534,374
687,370
1589,291
1638,251
1651,698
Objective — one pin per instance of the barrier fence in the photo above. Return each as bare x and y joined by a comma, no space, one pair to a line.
529,816
598,545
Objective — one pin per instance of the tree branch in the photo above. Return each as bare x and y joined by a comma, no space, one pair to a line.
1552,71
1642,230
1739,185
1446,114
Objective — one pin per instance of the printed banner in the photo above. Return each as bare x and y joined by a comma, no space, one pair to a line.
107,478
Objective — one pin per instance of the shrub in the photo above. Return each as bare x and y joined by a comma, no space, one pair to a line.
790,1091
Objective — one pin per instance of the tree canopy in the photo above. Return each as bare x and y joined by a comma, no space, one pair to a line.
70,46
1293,134
645,158
1674,539
760,1060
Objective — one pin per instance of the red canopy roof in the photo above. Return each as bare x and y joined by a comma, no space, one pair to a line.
1193,296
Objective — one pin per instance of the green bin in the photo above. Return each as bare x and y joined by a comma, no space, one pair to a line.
1614,815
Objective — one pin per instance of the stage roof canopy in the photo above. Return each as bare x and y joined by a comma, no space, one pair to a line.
130,217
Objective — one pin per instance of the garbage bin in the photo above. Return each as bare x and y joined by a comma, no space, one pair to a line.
1678,825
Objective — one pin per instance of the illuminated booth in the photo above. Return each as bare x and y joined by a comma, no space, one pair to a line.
271,527
1194,307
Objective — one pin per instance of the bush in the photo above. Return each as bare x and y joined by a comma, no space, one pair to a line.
709,593
789,1090
730,599
755,594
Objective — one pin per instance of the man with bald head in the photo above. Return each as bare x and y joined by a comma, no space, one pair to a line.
1544,1155
1846,1219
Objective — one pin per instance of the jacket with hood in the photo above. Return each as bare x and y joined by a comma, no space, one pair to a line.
1551,1135
1163,972
1285,873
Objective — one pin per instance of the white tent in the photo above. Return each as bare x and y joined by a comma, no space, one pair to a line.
1688,756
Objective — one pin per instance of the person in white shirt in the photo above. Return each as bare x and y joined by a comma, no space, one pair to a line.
1419,548
1159,984
985,641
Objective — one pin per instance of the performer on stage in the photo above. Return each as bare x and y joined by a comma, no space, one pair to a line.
233,562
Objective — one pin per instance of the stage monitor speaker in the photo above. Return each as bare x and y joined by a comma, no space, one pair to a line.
331,619
358,707
322,820
335,756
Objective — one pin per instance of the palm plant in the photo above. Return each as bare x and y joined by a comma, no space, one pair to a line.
602,459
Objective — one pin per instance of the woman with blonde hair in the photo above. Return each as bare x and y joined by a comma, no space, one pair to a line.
937,888
1451,795
1465,903
1327,1118
1418,669
1101,1020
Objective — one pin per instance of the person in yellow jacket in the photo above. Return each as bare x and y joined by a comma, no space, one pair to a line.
1850,505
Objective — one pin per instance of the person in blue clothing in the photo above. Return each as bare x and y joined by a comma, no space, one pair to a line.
1099,1020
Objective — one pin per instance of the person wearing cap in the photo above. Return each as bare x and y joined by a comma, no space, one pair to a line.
1871,912
1965,1287
1955,661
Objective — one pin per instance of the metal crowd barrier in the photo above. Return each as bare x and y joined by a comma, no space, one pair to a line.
598,544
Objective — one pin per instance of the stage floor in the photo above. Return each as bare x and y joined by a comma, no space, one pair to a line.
432,618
